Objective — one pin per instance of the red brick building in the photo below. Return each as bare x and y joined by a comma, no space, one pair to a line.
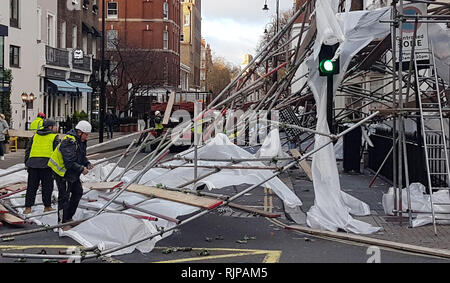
142,37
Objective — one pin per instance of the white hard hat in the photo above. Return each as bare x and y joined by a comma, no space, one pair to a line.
84,126
157,112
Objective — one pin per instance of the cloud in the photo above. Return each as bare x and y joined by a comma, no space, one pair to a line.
234,27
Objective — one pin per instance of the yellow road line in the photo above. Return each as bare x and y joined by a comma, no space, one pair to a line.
204,258
271,256
265,199
270,200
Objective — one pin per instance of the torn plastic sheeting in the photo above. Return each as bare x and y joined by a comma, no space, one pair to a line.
329,30
332,207
420,202
109,234
109,230
272,148
220,148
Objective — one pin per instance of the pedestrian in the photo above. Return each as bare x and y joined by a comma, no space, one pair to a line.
158,123
37,155
4,127
109,122
68,162
37,124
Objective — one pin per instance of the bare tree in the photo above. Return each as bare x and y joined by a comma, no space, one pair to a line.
221,74
133,72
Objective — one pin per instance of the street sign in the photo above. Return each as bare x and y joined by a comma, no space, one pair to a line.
408,35
78,56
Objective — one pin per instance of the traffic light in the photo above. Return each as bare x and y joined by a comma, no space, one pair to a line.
326,66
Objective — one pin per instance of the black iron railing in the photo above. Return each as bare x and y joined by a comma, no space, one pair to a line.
57,57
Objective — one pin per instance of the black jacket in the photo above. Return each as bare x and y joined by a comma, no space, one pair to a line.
74,156
39,162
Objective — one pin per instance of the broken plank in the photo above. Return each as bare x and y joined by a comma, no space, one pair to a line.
11,219
305,166
3,209
372,241
189,199
254,210
102,186
169,107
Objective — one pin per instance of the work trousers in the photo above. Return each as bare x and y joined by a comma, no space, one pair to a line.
38,176
109,131
2,148
69,196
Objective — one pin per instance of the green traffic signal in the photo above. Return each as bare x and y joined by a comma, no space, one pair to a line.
327,66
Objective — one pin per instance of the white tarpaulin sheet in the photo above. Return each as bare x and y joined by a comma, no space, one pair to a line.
332,207
420,202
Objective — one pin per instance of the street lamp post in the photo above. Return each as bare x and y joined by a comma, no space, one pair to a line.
27,98
277,28
102,81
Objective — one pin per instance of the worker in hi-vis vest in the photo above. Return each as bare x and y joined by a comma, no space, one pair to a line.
37,124
158,123
37,154
68,162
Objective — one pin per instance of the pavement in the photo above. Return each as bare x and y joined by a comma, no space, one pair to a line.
229,235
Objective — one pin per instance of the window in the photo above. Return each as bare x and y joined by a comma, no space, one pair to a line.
74,37
187,20
2,43
14,59
39,25
112,36
14,13
50,30
166,40
166,10
94,47
113,10
62,37
85,43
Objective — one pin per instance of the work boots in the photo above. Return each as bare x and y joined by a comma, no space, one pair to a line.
27,210
48,209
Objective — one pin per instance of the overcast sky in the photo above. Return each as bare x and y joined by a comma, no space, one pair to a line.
233,27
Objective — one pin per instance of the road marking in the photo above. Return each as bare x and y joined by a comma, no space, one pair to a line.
271,256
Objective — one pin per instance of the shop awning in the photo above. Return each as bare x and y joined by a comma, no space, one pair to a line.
63,86
81,87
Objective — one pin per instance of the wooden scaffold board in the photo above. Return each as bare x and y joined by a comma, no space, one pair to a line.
9,218
189,199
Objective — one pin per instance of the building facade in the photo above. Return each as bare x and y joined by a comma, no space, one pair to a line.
144,38
69,54
21,56
205,65
191,39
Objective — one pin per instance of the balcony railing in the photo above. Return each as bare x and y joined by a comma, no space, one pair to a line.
57,57
85,65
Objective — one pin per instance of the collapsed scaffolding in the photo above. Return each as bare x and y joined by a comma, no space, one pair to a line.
304,126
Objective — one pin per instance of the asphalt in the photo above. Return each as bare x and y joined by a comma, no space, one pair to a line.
231,236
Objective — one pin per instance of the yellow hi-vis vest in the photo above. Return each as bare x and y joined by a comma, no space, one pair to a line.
37,124
159,126
42,145
56,162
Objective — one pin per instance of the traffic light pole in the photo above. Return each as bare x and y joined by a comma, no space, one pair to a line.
330,103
